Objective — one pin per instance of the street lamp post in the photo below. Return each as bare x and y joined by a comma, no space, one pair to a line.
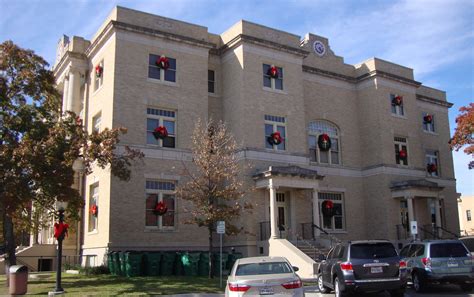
60,231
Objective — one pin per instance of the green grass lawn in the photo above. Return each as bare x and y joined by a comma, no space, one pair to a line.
109,285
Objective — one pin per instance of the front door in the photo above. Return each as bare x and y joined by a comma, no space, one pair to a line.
404,219
282,218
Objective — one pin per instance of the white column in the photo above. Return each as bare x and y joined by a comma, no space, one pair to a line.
411,214
316,213
65,93
273,211
438,217
73,99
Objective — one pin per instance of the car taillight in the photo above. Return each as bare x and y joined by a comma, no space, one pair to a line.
426,261
293,285
403,264
238,288
346,266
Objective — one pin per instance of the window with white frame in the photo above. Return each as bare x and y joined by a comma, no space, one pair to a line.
468,215
160,73
397,106
331,206
164,192
272,81
316,130
432,162
428,122
401,150
275,125
157,118
211,81
96,120
93,207
98,75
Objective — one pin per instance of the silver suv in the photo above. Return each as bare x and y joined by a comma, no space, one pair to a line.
439,261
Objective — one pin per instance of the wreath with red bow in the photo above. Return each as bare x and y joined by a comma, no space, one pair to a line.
98,71
160,209
402,154
397,100
160,132
428,119
60,230
275,138
94,210
324,142
163,62
431,167
273,72
328,208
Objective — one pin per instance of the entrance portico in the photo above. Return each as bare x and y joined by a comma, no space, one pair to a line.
278,178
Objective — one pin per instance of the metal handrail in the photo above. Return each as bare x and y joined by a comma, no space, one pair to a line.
331,237
30,268
446,230
435,236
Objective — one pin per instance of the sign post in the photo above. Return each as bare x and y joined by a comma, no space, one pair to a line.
220,230
414,229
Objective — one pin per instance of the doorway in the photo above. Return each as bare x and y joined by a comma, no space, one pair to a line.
282,214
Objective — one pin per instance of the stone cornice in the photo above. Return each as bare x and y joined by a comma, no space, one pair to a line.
330,74
379,73
261,42
434,101
67,56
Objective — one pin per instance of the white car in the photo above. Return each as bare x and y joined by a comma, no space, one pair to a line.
257,276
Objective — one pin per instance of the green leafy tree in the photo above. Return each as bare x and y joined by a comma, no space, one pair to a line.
464,130
39,144
214,186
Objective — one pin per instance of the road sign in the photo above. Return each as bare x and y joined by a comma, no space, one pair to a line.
413,227
220,227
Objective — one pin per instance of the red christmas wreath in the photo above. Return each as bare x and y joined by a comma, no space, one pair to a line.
397,100
428,119
275,138
273,72
431,167
94,210
60,230
163,62
98,71
324,142
402,154
160,209
160,132
328,208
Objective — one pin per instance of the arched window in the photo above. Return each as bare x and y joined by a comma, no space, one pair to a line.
331,156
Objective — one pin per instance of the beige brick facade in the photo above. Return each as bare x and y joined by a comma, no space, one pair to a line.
355,99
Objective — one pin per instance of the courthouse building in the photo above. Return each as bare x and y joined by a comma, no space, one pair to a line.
357,150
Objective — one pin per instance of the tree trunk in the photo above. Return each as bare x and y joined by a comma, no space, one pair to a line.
9,236
211,274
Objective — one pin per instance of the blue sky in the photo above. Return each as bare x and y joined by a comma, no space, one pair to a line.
435,38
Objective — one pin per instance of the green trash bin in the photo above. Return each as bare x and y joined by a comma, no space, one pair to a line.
190,262
110,263
204,264
232,258
122,263
216,262
133,266
152,263
167,263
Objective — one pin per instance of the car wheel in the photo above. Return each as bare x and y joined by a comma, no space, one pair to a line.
337,289
418,283
397,293
466,288
322,288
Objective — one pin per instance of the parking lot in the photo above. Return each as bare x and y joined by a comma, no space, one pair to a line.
438,291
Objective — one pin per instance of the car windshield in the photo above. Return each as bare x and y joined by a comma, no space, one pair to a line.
263,268
445,250
372,250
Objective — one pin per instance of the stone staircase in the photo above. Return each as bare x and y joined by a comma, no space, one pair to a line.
312,248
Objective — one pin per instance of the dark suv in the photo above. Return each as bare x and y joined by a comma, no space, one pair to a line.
363,266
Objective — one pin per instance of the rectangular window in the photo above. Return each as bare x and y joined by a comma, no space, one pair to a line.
98,75
275,124
161,118
396,108
96,120
401,151
432,163
160,191
275,83
211,80
428,122
158,73
93,207
468,215
332,218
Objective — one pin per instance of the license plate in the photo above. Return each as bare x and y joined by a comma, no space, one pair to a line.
266,291
376,269
453,264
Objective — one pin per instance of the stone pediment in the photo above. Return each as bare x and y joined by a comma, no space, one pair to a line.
419,183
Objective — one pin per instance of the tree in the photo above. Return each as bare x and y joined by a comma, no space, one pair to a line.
214,187
464,131
39,144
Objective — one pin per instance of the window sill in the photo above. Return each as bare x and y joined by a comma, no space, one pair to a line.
399,116
213,94
274,91
157,230
163,82
97,91
156,146
275,151
314,163
93,232
430,133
